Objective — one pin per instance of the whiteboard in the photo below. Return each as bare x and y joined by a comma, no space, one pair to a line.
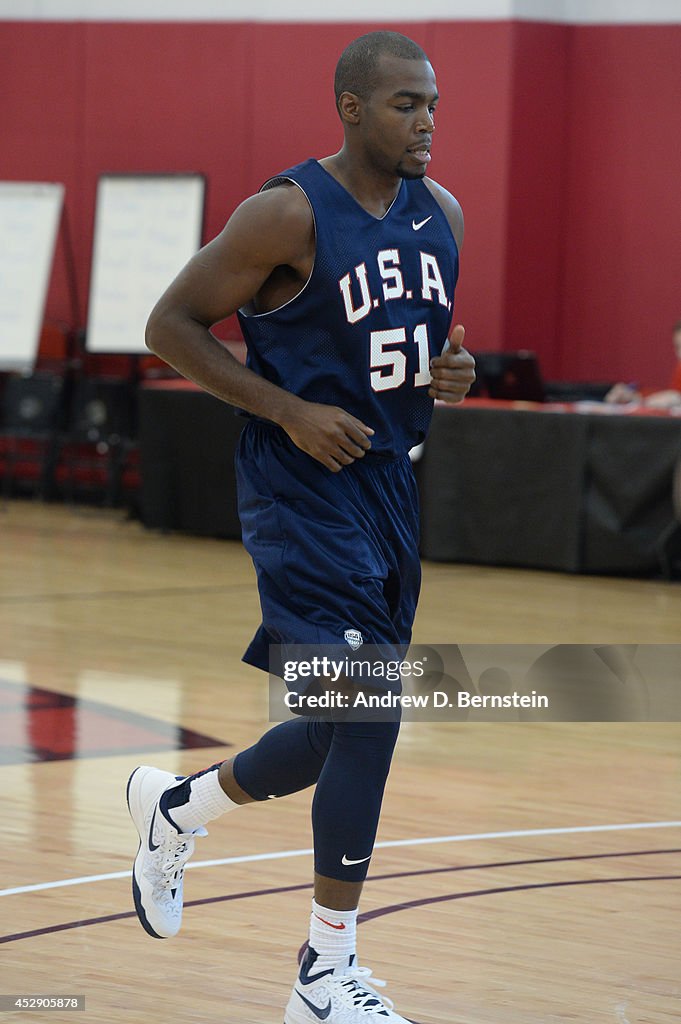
146,228
29,220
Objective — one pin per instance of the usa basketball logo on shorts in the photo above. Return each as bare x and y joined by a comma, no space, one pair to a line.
354,638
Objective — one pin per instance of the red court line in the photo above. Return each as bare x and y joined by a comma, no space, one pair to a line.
369,915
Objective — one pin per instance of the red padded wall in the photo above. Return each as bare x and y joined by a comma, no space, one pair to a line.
622,240
41,120
535,221
471,157
560,142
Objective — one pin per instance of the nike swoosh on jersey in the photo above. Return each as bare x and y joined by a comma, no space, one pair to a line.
348,862
322,1012
417,227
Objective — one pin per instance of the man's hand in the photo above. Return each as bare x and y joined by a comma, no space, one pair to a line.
453,373
620,394
329,434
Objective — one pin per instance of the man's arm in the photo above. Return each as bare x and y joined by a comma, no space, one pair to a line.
621,394
453,372
668,399
269,230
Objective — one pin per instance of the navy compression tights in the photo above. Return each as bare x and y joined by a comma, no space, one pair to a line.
349,762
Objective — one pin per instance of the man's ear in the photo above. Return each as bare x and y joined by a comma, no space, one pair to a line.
349,107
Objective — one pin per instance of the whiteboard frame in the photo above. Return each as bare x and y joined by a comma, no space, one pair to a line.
93,344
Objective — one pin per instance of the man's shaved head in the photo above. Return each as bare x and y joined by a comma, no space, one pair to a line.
357,68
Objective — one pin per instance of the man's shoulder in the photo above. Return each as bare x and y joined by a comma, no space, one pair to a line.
450,207
282,197
275,224
442,194
281,208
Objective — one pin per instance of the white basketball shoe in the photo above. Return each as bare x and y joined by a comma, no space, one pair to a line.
157,875
345,995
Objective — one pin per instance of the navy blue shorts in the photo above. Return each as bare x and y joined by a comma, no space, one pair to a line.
334,552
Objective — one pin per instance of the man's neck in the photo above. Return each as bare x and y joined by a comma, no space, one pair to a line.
374,192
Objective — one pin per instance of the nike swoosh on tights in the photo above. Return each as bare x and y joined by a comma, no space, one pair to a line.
322,1012
348,862
417,227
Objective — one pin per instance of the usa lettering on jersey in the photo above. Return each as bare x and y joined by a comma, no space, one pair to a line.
432,288
388,361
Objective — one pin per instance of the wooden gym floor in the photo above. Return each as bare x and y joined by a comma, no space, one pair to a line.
526,873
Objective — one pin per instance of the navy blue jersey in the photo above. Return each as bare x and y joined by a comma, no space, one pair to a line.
377,306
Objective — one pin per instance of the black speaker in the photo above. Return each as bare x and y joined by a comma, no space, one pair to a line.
98,442
33,404
32,412
102,410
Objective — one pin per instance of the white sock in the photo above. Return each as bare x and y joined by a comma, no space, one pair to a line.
204,801
333,936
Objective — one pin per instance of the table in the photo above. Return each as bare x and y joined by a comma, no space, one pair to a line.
187,442
548,487
511,484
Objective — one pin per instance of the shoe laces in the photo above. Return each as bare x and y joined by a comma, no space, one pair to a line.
177,852
364,994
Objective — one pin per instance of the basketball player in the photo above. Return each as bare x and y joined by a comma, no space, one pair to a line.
342,271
